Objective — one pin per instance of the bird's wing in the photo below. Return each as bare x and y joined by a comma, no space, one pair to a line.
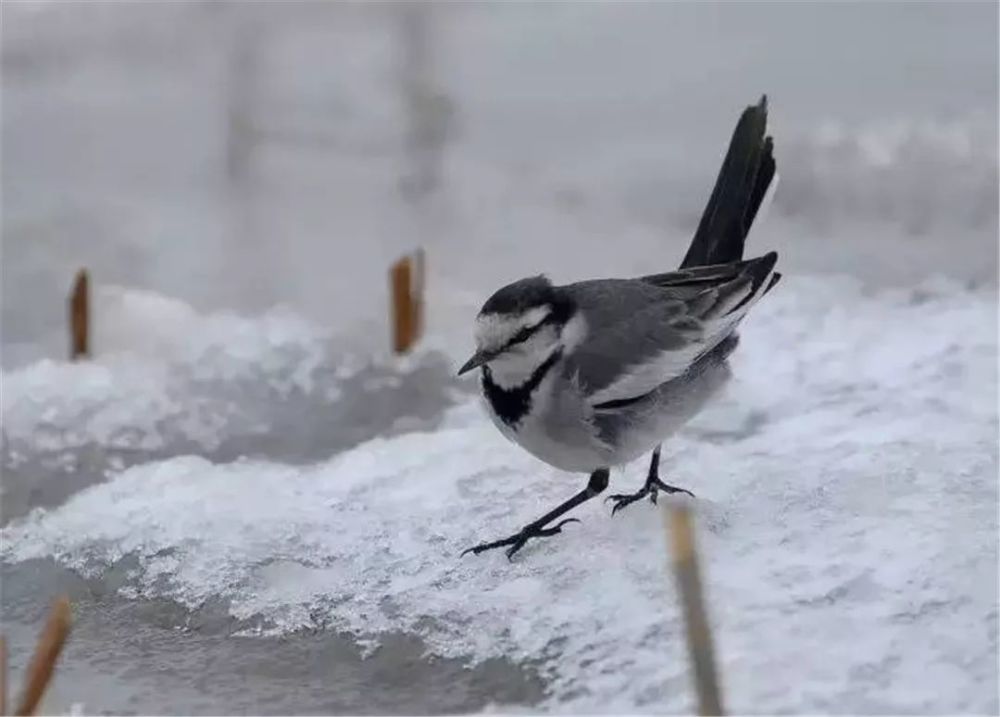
642,333
701,277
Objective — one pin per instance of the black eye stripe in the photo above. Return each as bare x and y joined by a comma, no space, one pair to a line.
526,333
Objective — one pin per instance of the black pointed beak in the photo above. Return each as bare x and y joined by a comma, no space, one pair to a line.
477,360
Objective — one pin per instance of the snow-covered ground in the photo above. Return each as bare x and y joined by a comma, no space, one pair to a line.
847,497
241,453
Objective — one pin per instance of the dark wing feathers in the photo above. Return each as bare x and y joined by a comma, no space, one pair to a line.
758,272
644,333
697,276
702,277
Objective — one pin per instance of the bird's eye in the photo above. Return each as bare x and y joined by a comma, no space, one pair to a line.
524,334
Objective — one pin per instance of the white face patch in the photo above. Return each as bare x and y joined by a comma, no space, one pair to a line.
514,366
493,331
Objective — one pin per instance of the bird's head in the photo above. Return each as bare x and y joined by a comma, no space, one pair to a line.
521,325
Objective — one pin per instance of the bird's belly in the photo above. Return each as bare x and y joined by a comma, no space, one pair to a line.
576,456
640,428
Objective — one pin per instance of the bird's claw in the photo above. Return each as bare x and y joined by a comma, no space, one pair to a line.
652,489
623,500
519,539
667,488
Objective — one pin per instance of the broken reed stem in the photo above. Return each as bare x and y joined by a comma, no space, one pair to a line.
43,663
402,312
699,633
79,317
406,279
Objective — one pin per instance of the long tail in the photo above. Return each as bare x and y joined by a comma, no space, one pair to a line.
746,175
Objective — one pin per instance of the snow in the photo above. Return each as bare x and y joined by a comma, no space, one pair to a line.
847,518
162,372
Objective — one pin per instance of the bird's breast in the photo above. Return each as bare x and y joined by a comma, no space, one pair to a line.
553,425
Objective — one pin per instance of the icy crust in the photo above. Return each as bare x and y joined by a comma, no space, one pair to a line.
165,379
161,372
847,518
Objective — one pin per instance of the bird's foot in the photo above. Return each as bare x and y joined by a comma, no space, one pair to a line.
652,488
623,500
518,540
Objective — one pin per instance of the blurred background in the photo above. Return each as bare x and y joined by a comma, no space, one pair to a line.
220,489
242,155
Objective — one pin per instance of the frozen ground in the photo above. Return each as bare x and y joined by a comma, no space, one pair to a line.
849,514
255,511
218,385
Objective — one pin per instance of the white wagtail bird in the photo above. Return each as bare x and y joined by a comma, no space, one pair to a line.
595,374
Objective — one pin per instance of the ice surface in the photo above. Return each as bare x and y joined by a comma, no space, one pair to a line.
161,372
166,378
847,516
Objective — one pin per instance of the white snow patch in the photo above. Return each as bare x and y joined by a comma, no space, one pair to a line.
161,372
847,518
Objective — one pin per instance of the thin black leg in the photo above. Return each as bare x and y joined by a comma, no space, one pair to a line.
597,483
652,487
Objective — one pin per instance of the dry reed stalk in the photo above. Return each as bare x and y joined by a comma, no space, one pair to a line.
79,317
406,279
50,644
699,633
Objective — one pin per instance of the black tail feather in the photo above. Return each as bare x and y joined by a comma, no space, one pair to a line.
746,174
765,175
